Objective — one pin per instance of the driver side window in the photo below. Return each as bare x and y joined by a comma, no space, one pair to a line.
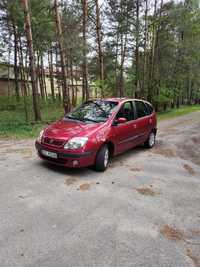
126,111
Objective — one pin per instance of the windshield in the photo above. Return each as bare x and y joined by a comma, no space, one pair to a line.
93,111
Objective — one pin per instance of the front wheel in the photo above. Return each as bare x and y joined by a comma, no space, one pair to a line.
102,159
151,140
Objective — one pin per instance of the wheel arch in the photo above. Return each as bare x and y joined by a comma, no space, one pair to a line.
111,147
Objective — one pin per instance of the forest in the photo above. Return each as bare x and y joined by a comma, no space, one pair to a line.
145,49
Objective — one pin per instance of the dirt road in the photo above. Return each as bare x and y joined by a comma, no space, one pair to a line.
143,211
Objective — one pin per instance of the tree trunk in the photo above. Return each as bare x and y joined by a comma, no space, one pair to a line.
121,75
25,86
50,59
178,102
57,77
76,87
189,87
152,54
144,80
66,100
85,93
36,107
99,42
124,39
9,60
39,75
117,93
137,48
157,56
27,75
43,78
23,77
72,81
16,69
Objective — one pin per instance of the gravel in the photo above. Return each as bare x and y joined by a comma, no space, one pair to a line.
143,211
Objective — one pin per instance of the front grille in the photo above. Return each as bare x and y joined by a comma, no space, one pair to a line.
58,160
53,142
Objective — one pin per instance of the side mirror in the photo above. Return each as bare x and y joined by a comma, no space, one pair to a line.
120,120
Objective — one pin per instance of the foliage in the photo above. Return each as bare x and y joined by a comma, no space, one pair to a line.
172,113
13,123
150,49
12,118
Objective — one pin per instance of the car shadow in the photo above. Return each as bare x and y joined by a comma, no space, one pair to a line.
65,170
128,154
116,161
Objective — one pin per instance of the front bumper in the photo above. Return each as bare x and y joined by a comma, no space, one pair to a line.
71,160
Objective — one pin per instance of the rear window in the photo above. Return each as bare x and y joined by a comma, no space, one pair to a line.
142,109
149,108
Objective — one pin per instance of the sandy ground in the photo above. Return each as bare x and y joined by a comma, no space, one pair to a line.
143,211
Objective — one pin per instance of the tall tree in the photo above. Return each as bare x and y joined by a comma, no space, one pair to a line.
85,94
66,100
145,52
99,44
137,30
51,72
152,52
16,69
27,18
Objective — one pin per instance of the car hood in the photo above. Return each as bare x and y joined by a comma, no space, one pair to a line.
66,129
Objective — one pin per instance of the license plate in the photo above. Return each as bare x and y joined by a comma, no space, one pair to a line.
49,154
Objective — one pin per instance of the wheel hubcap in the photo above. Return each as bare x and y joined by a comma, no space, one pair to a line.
106,158
152,139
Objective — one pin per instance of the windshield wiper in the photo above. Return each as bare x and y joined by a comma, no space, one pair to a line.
73,118
88,119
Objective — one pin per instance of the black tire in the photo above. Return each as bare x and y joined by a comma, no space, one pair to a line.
149,142
100,164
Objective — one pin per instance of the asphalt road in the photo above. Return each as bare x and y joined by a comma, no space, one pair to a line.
143,211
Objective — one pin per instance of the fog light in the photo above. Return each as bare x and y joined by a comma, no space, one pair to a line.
75,162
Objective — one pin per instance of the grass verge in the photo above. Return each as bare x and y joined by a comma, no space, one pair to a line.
13,125
172,113
13,122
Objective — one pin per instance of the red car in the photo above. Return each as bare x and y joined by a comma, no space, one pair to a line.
97,130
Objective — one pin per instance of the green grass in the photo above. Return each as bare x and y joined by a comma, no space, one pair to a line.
172,113
13,125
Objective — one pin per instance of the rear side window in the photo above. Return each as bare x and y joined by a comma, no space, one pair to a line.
141,109
149,107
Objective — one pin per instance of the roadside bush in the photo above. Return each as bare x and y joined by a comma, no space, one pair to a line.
161,102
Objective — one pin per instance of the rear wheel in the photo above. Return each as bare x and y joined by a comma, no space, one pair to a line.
151,140
102,159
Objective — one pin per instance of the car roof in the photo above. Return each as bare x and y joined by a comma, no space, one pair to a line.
121,99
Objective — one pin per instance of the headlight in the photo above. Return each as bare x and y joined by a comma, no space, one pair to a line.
76,142
39,139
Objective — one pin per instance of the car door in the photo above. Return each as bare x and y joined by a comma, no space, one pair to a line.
124,133
143,121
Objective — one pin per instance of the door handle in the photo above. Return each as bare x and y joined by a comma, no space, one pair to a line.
134,126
